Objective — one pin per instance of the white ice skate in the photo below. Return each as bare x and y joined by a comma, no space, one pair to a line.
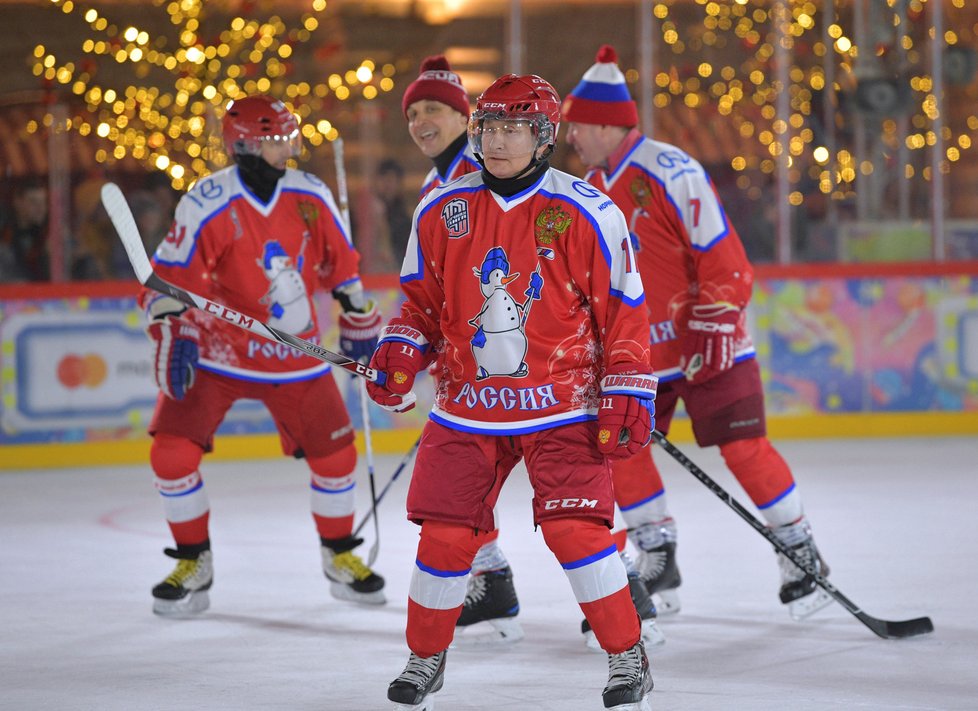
184,591
351,579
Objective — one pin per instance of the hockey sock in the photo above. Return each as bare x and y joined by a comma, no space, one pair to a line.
765,477
333,492
589,557
438,584
639,491
175,462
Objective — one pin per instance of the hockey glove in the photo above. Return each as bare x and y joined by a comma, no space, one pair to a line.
709,345
176,345
359,331
400,355
626,415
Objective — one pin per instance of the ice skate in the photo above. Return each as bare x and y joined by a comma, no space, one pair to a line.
184,591
798,589
651,634
629,681
489,613
421,678
351,579
658,570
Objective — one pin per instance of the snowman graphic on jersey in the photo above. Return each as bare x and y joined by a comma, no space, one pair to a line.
286,299
499,344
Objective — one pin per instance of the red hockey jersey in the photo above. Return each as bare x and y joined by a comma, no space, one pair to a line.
527,300
262,260
463,164
688,251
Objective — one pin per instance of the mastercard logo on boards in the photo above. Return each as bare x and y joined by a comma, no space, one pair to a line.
75,371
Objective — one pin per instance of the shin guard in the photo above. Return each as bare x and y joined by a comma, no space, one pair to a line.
438,584
588,554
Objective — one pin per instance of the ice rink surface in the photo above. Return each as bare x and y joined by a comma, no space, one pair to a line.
81,548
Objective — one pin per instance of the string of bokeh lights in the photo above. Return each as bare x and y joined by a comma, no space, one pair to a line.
164,125
747,92
169,127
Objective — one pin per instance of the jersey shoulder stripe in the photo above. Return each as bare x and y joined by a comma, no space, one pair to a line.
687,187
609,225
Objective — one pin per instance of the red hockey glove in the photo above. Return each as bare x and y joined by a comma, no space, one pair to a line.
709,345
359,331
626,416
400,355
176,345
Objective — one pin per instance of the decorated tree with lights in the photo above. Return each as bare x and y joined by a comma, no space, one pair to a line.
156,95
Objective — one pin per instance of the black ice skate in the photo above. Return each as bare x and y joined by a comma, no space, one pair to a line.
651,634
490,598
798,589
660,573
349,577
184,591
629,681
421,678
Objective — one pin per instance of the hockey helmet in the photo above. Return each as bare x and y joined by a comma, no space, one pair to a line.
512,97
495,259
249,121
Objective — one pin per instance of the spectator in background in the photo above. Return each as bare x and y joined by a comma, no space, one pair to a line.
396,217
152,217
24,252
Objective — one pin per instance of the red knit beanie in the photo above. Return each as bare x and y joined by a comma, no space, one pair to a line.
602,96
437,82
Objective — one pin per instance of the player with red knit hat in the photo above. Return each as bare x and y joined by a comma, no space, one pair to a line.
699,283
436,107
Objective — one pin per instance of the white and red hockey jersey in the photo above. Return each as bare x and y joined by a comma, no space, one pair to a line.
527,300
463,164
262,260
688,251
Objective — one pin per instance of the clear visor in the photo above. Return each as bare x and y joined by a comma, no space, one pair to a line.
517,133
252,146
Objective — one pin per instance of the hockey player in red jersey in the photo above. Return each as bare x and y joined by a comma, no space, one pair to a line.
436,107
520,285
259,237
698,284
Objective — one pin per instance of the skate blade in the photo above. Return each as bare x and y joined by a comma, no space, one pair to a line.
342,591
491,633
644,705
666,602
427,705
805,607
651,635
186,607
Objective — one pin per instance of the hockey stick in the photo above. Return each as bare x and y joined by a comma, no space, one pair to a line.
383,492
344,198
125,224
887,629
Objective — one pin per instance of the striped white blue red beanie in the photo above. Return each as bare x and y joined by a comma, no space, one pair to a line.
602,96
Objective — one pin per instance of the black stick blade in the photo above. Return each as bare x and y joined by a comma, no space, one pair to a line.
890,629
